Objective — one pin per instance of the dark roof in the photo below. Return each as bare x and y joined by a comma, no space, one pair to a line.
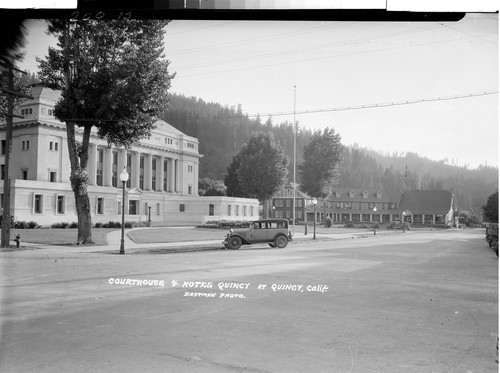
426,201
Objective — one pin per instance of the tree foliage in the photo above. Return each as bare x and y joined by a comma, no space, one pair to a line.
263,167
232,179
113,75
319,171
210,187
490,210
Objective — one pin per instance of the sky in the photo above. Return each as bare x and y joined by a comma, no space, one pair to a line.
323,73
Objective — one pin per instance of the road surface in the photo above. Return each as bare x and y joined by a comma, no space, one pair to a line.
409,302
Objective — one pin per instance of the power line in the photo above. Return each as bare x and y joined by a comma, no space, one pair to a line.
322,57
360,107
315,111
311,48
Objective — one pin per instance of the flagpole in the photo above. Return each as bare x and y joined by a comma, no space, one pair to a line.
294,156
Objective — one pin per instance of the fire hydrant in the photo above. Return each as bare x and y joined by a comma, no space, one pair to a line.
18,241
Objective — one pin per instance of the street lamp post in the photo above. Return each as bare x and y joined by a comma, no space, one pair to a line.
124,179
315,201
374,225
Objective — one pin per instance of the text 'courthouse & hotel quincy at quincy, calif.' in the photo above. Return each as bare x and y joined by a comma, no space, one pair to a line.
162,187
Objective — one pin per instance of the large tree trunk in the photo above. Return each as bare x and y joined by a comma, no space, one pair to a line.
78,155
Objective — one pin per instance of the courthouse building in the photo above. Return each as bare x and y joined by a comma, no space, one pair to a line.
162,187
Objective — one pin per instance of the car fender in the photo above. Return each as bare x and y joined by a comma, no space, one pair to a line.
281,234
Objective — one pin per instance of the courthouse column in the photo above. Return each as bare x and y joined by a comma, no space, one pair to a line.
92,165
160,173
107,167
148,171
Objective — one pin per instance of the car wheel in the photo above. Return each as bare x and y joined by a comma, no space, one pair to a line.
235,243
281,241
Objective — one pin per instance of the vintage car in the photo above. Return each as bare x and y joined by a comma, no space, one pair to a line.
272,231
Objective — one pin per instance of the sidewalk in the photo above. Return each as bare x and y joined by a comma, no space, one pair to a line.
184,244
114,241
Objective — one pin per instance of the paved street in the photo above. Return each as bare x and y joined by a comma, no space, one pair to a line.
405,302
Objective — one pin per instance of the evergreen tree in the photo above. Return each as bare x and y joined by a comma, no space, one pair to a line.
263,168
319,171
490,210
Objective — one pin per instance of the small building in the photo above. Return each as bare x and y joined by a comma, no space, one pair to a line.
282,203
427,207
163,169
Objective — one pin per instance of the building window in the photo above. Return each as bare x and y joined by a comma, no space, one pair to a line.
119,207
51,146
365,194
169,141
153,174
141,172
114,170
38,204
52,176
99,169
132,207
190,189
211,209
100,205
4,146
190,168
25,145
165,177
25,174
351,194
2,172
157,209
228,210
182,207
244,210
237,210
60,205
251,210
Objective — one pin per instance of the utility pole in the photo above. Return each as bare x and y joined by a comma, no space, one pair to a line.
5,235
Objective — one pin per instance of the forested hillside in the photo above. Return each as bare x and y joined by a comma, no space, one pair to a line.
222,131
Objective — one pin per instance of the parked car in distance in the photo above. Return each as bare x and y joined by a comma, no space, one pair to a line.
272,231
398,225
